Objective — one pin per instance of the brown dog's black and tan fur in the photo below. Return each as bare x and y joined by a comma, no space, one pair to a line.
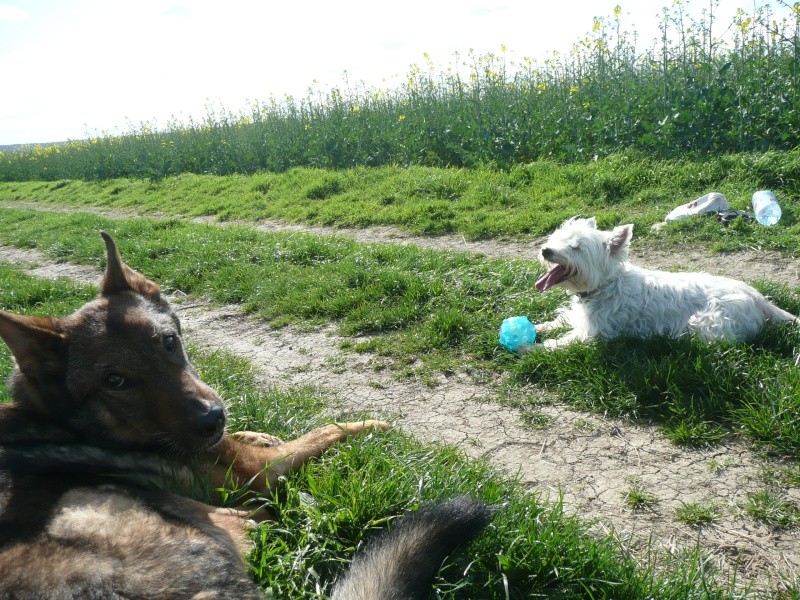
105,405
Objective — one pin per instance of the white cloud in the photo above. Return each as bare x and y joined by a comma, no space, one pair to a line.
12,13
176,11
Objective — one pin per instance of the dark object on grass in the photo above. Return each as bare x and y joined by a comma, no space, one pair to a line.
726,217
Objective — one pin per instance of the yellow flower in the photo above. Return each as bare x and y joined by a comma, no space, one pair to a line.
745,24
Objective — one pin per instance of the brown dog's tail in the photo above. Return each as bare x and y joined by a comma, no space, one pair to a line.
401,564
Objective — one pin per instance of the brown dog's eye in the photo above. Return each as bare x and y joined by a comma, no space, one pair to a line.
115,381
170,343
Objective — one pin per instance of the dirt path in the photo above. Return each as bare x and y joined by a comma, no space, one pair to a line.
591,460
747,265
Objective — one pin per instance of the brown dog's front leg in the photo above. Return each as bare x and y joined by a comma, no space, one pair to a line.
255,438
261,466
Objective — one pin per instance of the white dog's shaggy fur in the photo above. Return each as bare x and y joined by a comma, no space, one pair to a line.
613,297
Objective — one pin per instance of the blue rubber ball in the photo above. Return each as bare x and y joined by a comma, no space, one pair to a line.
516,332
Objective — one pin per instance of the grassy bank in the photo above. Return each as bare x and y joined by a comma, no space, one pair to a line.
425,312
526,201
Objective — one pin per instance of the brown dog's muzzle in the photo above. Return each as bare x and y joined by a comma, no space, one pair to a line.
204,410
209,425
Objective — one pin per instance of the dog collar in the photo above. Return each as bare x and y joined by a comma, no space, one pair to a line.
591,293
587,295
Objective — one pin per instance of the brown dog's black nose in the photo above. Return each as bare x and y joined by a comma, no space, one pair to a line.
210,423
547,253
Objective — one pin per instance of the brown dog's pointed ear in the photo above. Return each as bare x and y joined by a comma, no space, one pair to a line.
119,277
34,341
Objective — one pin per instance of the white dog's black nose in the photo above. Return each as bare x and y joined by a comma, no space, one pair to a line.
547,253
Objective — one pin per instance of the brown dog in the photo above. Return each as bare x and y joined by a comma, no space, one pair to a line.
106,410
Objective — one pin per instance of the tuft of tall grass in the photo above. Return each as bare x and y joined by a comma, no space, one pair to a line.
770,507
698,514
692,91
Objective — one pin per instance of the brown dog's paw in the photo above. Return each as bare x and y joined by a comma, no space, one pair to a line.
256,438
359,427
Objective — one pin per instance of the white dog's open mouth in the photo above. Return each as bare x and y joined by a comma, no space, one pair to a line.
554,276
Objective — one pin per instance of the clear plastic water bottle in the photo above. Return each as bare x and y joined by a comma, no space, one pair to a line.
516,332
766,207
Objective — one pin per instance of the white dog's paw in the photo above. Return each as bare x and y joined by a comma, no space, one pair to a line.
530,348
562,341
546,326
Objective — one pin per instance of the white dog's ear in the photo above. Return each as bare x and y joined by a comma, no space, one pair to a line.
591,222
620,239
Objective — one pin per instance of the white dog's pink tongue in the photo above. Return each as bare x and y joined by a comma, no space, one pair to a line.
551,278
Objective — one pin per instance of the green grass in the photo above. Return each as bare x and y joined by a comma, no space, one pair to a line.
698,514
637,498
481,203
535,419
356,489
771,508
790,475
431,312
698,392
703,87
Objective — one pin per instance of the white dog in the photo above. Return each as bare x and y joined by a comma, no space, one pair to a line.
613,297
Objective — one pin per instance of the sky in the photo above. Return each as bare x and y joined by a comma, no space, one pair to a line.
71,69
